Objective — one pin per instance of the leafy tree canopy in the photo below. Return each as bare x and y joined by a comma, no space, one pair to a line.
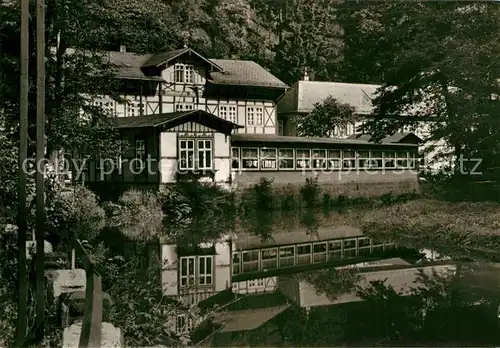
325,117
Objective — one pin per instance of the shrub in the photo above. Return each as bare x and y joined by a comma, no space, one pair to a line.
310,192
288,198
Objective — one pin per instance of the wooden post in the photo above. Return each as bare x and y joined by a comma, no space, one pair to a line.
90,335
92,318
23,153
40,156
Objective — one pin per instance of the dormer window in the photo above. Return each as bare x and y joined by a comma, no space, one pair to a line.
184,73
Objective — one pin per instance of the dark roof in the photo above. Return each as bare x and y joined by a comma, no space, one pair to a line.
295,236
263,138
161,58
244,73
172,119
247,320
129,65
126,64
396,138
231,72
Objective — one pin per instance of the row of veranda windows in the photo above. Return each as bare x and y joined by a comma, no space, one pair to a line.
299,159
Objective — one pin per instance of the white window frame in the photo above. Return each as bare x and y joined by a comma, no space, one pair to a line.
364,162
281,157
250,116
377,159
281,127
134,108
207,154
271,251
401,158
321,159
255,159
255,116
108,105
341,130
205,278
140,154
388,159
259,116
310,245
183,107
235,158
413,162
183,324
183,73
187,151
264,158
223,112
188,279
231,113
349,155
306,159
334,156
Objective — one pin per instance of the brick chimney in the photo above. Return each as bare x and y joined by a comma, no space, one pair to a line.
123,48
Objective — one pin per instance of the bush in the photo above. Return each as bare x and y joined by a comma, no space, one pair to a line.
288,198
76,211
310,192
258,197
138,215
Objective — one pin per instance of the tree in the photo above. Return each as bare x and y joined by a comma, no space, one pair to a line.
325,117
138,215
74,79
311,38
436,59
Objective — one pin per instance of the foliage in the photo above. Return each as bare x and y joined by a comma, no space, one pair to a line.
435,59
74,212
310,192
207,211
435,309
8,281
310,37
325,117
259,196
439,307
457,229
331,282
139,308
71,25
138,215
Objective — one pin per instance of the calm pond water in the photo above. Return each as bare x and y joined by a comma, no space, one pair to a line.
434,292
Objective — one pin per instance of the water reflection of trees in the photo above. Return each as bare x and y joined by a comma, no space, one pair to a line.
453,307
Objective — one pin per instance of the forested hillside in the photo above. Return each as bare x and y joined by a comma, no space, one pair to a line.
421,47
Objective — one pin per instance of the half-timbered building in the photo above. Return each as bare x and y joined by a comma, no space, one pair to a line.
187,116
300,99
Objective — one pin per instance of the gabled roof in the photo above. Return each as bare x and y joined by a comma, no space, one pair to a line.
169,120
396,138
244,73
302,96
161,58
247,320
229,72
402,280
